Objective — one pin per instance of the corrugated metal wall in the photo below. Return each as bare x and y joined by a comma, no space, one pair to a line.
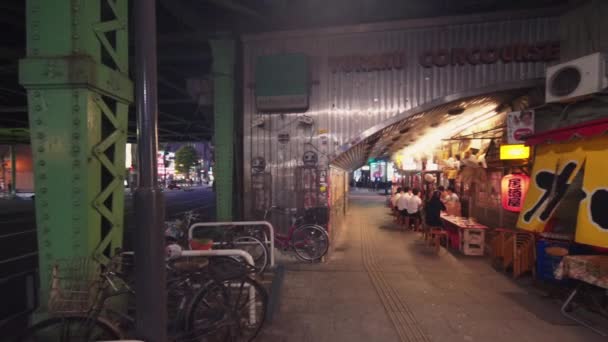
347,105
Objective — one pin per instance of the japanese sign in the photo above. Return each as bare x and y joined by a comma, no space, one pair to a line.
519,126
513,191
555,168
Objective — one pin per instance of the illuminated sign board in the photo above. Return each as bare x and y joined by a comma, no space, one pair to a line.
511,152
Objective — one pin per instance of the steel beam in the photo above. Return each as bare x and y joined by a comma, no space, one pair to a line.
13,170
150,278
223,105
78,93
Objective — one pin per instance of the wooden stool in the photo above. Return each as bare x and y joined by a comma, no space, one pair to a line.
435,238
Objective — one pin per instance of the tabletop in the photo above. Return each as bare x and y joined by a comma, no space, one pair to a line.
463,222
592,269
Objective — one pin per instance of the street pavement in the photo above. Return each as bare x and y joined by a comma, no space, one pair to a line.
17,216
383,284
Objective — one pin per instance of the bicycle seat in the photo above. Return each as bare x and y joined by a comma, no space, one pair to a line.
190,265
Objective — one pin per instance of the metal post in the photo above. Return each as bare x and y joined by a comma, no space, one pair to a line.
79,92
223,102
13,171
150,278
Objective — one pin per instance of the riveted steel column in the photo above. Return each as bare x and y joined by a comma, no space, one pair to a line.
149,206
13,170
223,104
79,92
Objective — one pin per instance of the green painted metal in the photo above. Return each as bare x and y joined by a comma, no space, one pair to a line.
223,104
79,92
14,136
13,170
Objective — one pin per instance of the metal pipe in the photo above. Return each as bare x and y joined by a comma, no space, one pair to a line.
267,224
150,278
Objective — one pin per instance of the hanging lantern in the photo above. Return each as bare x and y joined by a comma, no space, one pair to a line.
513,191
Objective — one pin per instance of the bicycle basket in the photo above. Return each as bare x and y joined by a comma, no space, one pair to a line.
74,286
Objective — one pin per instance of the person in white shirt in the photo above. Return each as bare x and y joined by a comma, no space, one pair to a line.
452,202
402,204
451,195
413,206
394,199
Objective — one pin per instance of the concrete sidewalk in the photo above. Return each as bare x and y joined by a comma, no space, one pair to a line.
382,284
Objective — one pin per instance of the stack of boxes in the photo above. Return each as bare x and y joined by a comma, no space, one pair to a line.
472,241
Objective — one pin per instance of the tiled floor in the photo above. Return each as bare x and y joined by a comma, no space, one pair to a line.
382,284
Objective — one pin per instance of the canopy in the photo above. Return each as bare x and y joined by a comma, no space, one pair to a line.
585,130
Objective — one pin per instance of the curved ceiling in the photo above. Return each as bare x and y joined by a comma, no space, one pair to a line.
425,129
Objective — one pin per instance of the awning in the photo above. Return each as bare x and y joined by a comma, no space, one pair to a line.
584,130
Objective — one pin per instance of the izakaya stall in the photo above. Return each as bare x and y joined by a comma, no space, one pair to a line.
568,196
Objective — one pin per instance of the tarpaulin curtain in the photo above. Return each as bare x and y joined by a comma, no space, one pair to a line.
555,167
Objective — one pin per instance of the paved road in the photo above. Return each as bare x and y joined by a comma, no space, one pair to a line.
18,247
18,216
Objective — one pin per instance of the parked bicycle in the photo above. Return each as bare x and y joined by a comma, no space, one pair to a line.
310,242
209,300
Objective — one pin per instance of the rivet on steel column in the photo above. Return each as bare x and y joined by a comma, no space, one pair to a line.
63,78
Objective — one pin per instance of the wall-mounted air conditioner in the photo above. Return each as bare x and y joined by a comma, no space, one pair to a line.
577,78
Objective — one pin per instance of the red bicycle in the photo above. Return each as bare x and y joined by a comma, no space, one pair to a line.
310,242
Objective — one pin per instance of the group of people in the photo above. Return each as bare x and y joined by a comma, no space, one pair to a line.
408,205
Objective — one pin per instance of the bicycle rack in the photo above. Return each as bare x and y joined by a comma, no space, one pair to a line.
227,252
269,227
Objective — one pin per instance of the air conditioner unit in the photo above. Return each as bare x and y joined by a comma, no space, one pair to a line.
577,78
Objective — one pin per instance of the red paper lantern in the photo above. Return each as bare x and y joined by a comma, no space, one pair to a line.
513,191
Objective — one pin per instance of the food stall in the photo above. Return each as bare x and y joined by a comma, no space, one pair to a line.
569,184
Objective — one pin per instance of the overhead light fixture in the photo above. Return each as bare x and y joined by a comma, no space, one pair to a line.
456,111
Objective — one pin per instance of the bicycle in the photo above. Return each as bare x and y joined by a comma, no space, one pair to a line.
233,238
310,242
81,289
245,300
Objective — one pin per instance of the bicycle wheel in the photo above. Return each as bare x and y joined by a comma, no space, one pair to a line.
310,242
208,317
248,302
71,329
256,248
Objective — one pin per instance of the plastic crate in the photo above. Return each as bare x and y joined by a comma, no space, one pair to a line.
472,241
547,264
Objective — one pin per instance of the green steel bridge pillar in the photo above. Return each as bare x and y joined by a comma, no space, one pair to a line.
79,92
223,104
13,153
